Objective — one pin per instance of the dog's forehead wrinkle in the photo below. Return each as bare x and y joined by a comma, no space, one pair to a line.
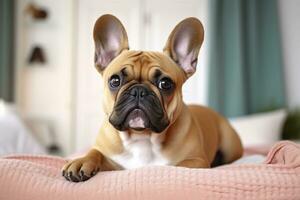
143,63
123,72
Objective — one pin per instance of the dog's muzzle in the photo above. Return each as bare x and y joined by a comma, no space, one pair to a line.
139,108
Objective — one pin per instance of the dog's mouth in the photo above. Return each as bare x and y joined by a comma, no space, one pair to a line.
137,120
138,108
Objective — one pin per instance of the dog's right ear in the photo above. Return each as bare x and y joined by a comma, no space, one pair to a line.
110,40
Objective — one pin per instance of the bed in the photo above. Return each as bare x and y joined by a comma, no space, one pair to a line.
39,177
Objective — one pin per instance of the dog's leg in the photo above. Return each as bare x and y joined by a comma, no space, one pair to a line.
230,143
194,163
82,169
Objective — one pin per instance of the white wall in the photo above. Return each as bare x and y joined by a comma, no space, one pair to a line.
44,92
289,11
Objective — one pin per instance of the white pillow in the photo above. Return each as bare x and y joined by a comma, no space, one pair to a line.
15,137
260,129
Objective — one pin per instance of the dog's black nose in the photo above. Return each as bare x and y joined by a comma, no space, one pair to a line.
139,91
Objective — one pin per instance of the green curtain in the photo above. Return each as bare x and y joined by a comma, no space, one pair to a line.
6,49
245,66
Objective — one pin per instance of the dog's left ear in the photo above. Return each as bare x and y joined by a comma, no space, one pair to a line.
184,43
110,39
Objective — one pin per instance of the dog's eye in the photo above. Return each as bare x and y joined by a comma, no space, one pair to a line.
115,81
165,84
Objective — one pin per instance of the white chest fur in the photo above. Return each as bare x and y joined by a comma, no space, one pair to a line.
140,150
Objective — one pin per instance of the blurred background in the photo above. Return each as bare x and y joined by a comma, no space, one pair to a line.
50,92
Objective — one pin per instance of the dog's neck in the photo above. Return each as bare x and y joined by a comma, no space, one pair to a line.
143,148
129,137
140,149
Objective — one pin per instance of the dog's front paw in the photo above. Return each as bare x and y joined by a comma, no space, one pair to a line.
81,169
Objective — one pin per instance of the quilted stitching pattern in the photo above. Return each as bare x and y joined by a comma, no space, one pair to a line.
39,177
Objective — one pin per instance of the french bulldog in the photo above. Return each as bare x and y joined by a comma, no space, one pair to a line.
146,121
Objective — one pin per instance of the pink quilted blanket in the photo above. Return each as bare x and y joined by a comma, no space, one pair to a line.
39,177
